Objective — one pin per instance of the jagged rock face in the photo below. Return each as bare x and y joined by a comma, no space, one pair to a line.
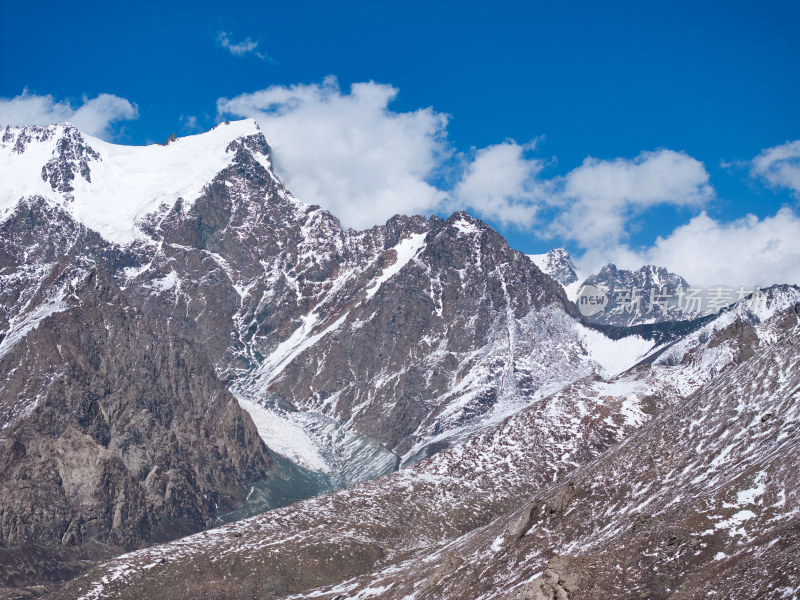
458,314
35,237
18,138
244,259
558,264
647,295
112,429
602,475
387,330
71,159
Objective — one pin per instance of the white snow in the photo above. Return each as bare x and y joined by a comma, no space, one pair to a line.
21,326
292,347
284,437
734,523
614,356
466,226
573,289
544,262
750,495
168,282
631,411
407,249
541,260
128,182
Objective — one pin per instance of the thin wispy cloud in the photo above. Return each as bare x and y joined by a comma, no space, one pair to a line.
246,47
189,124
779,166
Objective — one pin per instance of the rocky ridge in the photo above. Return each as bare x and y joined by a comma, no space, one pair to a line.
645,296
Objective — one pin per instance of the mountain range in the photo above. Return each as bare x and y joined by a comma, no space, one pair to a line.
415,410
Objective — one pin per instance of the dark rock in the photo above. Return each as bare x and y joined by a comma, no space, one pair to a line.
128,435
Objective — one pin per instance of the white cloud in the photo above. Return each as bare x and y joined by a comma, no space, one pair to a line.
500,184
93,116
190,124
352,154
779,165
749,251
349,152
599,198
246,46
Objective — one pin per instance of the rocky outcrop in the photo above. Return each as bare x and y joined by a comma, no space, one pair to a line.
71,159
114,429
559,581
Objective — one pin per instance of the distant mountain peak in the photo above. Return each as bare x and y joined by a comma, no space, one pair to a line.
640,289
558,264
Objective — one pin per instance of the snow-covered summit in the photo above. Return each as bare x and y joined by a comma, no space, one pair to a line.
110,187
558,264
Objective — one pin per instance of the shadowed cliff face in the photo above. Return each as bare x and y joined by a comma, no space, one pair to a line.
114,430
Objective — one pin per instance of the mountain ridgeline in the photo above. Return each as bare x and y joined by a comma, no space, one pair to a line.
183,343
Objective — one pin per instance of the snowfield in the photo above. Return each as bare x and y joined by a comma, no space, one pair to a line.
125,183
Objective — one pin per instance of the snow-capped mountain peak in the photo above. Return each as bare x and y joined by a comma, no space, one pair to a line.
558,264
110,187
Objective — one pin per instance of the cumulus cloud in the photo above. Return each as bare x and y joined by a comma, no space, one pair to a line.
600,197
501,184
246,46
749,251
347,151
94,116
779,166
354,155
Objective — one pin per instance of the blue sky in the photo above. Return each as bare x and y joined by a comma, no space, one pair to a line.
528,89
